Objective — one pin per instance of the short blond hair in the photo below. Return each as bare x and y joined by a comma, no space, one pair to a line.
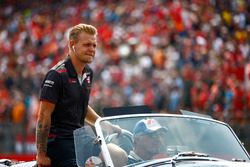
77,29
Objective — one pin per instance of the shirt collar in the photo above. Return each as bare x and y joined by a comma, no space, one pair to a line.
70,68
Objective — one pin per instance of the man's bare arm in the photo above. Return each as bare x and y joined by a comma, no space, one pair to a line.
43,126
91,116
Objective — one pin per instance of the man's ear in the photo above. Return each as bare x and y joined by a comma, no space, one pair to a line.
72,43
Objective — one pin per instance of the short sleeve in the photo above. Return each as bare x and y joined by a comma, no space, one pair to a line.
51,87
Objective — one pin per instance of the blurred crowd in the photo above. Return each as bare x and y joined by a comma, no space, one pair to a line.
167,54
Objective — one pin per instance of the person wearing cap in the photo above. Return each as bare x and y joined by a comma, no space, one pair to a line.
148,141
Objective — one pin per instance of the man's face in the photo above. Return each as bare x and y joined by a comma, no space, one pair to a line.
85,47
152,143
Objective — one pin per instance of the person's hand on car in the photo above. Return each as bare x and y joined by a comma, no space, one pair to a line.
111,128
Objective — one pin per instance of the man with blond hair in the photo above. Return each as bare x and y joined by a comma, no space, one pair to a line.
64,100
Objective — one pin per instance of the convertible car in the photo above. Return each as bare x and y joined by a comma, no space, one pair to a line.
186,140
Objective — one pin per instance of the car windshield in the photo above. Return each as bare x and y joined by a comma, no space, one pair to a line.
168,135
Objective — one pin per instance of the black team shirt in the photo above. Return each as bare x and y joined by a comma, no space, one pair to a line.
62,87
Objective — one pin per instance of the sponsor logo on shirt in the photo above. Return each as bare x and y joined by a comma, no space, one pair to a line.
86,75
72,80
48,83
88,79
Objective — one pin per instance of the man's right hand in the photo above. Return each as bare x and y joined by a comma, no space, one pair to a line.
43,160
110,128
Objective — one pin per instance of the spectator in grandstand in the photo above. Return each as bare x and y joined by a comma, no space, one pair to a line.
64,100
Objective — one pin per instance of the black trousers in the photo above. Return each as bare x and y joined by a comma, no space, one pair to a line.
62,152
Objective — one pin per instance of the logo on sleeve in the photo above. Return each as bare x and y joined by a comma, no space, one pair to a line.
48,83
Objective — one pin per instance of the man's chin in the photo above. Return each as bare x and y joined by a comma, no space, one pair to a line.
88,61
154,153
